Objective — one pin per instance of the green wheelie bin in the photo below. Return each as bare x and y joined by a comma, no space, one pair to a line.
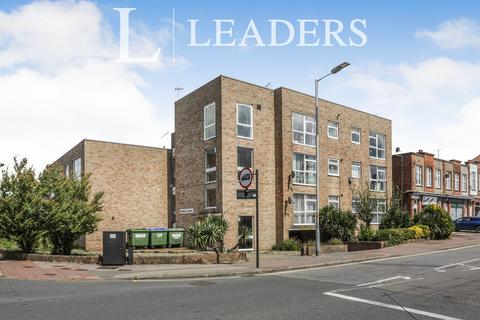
158,237
138,238
175,237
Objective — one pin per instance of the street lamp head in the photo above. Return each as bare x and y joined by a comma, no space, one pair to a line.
338,68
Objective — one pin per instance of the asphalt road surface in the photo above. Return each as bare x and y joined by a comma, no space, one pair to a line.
443,285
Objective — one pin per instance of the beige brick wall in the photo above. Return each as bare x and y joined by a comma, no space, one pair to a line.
288,101
135,180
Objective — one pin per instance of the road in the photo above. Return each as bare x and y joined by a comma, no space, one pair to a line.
443,285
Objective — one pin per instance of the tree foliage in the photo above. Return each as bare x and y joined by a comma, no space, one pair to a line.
208,233
68,209
365,204
438,220
20,206
396,216
337,223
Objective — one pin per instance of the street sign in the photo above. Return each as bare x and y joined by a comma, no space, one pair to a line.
246,194
245,177
186,210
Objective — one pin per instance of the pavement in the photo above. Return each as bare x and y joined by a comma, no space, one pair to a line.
269,263
438,285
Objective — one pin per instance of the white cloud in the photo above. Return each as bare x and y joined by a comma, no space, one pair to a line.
454,34
59,83
434,104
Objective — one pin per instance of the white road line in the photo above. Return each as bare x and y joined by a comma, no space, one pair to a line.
366,261
460,264
382,281
391,306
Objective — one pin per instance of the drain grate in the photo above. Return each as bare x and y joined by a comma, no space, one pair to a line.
28,267
202,283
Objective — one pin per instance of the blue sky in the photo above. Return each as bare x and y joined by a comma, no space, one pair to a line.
419,68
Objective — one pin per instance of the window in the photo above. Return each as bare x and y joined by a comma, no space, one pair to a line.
464,183
209,122
356,170
377,145
378,178
438,179
334,201
304,168
356,136
244,121
448,181
210,165
77,168
333,167
244,158
355,204
457,181
473,182
211,197
305,207
380,211
304,129
418,175
67,171
332,130
429,178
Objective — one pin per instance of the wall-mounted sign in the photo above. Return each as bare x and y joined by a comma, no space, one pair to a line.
186,210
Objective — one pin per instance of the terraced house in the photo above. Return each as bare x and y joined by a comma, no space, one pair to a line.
425,179
228,124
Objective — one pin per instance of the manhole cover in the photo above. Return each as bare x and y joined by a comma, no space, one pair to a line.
202,283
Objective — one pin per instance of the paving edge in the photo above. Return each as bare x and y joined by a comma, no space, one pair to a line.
275,270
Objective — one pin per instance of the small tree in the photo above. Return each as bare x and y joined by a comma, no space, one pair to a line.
396,217
20,206
337,223
68,209
365,204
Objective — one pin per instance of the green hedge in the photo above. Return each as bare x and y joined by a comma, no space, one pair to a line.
288,245
438,220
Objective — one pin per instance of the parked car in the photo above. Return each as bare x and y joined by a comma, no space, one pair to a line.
468,223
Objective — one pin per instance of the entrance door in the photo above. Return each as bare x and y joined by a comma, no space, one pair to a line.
456,210
245,233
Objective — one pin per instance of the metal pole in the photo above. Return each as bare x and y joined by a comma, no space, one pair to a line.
317,149
257,221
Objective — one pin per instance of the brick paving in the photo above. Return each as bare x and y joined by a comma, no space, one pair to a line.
29,270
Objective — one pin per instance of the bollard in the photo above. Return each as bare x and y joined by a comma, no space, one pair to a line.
130,255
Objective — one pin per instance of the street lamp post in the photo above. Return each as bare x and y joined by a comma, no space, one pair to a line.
317,224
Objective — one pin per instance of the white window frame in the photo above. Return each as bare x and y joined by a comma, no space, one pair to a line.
418,175
208,170
334,201
456,181
378,213
375,136
335,126
429,177
438,178
464,182
356,131
311,158
333,161
209,187
473,181
253,159
205,126
306,119
357,164
250,126
77,165
306,198
378,180
448,181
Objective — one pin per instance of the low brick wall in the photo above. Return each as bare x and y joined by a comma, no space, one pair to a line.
13,255
139,258
327,248
365,245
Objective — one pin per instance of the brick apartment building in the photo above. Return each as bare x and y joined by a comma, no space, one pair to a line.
424,179
135,179
228,124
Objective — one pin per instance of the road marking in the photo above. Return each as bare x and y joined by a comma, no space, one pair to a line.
391,306
383,280
459,264
373,260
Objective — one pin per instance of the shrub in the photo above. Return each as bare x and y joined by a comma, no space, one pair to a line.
395,216
438,220
366,234
288,245
394,236
335,242
208,232
337,223
420,231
